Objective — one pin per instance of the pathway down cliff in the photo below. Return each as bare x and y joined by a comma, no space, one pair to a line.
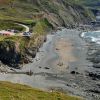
27,29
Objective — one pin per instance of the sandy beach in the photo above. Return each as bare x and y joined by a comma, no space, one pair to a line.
64,49
60,64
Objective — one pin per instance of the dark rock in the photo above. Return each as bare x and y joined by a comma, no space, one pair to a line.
94,59
94,75
57,49
74,72
77,73
9,54
96,65
68,85
45,39
40,67
94,91
98,85
93,78
47,68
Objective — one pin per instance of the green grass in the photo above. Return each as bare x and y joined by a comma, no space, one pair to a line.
4,25
9,91
42,27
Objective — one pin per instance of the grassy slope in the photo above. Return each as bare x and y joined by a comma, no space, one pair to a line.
9,91
23,10
10,25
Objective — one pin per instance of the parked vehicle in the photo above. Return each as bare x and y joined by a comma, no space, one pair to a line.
27,34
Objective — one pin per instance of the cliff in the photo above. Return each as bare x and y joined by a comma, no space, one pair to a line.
63,12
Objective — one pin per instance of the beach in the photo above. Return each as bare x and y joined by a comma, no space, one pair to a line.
61,64
64,50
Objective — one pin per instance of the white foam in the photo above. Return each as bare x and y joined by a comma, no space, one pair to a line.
96,40
93,39
83,34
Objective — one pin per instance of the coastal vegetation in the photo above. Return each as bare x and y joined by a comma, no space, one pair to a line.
10,91
4,25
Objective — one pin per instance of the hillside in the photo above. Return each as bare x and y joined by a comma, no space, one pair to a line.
58,12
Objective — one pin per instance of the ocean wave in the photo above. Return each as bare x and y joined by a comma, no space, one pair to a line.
93,36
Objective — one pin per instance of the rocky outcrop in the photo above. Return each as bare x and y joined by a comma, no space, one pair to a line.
12,55
8,53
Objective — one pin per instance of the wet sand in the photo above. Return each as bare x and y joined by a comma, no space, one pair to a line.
63,53
64,49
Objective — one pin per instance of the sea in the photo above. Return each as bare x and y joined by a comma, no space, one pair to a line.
92,36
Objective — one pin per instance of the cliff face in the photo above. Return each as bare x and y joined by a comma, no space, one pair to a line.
64,12
9,54
73,14
58,12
